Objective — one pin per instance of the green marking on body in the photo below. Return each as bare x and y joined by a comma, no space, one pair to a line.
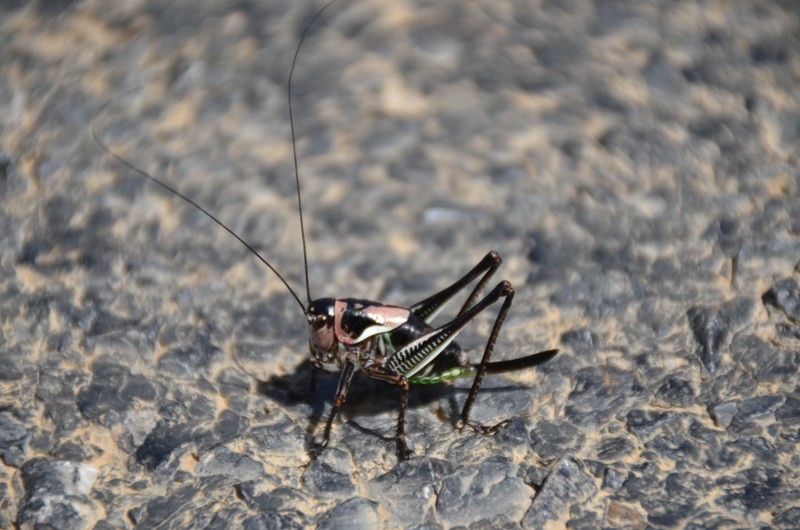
432,379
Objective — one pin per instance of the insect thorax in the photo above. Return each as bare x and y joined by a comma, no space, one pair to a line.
369,332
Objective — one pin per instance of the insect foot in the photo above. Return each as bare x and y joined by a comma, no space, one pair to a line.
317,449
477,427
403,451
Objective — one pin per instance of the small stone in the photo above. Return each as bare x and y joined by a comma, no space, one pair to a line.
569,484
225,462
321,479
723,413
553,439
356,513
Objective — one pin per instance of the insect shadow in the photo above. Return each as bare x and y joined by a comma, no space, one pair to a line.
370,397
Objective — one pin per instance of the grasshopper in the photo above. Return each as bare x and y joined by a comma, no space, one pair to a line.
391,343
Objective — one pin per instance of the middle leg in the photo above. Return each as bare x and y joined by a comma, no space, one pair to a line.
390,376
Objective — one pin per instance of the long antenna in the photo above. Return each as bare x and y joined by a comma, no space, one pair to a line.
294,146
172,190
208,214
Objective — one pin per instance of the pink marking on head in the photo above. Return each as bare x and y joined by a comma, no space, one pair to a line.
323,337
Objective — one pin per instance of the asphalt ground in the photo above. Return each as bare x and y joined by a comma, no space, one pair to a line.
635,164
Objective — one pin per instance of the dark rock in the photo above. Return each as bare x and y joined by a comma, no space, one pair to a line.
73,452
13,432
788,519
754,408
12,360
758,446
229,425
137,387
641,482
568,484
497,400
410,487
284,437
613,479
712,327
353,513
756,490
514,432
57,494
552,440
723,458
676,391
643,423
598,393
322,480
766,361
661,74
715,523
669,514
103,393
14,456
724,413
224,462
579,340
56,388
788,331
708,437
535,476
785,296
485,490
224,518
596,468
677,447
104,525
683,486
159,445
161,510
583,518
614,448
789,413
281,498
191,361
276,521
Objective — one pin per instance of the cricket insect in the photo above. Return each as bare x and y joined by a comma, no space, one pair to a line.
391,343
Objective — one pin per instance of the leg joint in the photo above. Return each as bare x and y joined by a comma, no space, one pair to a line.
494,257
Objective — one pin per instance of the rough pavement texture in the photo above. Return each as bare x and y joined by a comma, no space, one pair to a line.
636,163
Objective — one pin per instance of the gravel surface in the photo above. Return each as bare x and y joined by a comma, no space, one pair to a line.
635,163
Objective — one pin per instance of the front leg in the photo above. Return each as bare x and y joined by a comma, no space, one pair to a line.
338,400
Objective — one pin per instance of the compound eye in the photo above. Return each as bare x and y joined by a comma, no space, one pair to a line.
319,321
